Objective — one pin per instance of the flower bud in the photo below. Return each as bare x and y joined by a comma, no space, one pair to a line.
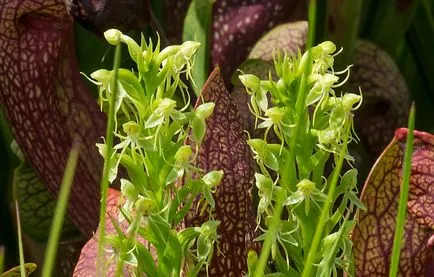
113,36
349,99
145,205
189,48
213,178
306,187
131,128
166,107
102,76
251,82
275,114
183,154
204,110
328,47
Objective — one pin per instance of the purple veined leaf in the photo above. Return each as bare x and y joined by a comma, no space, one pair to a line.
237,25
385,95
373,235
290,37
176,11
86,266
224,148
36,205
101,15
47,104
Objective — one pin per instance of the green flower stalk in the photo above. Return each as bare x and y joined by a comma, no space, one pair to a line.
323,117
151,129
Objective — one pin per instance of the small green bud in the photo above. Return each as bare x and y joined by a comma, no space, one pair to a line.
263,183
213,178
327,80
113,36
251,82
102,75
209,228
281,86
328,47
204,110
275,114
349,99
145,205
327,136
131,128
306,187
183,154
166,107
189,48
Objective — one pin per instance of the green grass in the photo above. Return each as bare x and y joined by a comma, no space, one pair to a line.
402,208
20,241
60,211
109,150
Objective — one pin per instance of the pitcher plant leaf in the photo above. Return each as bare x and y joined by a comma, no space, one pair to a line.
373,235
224,147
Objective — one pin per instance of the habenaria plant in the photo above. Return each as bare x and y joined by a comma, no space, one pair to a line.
303,212
151,130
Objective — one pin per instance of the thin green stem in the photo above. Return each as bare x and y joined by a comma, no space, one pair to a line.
20,240
402,208
288,174
271,234
107,159
325,211
59,212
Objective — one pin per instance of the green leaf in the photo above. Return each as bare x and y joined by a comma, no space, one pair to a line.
145,260
198,129
172,255
197,27
174,174
356,201
204,247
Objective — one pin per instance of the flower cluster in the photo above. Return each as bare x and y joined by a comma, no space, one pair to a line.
312,122
151,129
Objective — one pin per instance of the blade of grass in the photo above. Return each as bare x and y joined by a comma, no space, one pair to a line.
20,241
402,207
289,174
197,27
59,212
108,153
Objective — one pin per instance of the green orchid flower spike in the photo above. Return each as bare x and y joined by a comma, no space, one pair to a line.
304,130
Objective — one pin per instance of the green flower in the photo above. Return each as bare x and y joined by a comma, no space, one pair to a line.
306,192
